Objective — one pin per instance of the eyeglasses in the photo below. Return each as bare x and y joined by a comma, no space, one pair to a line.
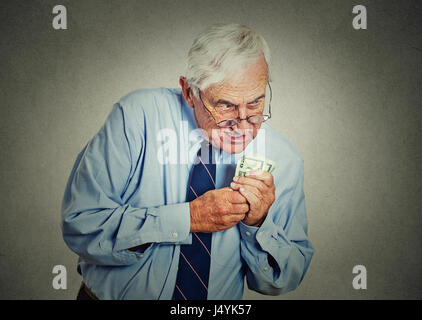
253,119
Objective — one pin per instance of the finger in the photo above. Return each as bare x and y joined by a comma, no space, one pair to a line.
235,197
233,219
258,193
250,195
235,186
228,219
261,175
240,209
261,186
228,225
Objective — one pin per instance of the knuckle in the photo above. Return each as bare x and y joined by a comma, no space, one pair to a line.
229,208
227,196
210,196
259,194
231,194
272,195
236,197
217,222
226,220
262,186
271,182
219,208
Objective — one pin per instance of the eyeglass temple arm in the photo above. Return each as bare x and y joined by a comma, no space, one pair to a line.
271,98
203,104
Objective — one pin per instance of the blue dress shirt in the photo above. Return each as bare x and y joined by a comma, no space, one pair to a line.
128,188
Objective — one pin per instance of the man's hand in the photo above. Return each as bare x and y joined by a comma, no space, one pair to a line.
217,210
258,188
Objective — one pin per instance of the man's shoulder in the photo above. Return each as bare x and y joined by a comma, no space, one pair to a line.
150,100
152,109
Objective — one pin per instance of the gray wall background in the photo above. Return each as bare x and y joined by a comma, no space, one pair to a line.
349,101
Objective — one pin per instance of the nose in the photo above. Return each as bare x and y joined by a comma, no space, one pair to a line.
242,112
243,124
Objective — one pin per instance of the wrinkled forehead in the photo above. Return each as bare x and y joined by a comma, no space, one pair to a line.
242,85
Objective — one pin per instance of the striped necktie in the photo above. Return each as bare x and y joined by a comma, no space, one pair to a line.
194,261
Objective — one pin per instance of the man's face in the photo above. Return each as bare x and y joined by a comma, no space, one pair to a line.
240,96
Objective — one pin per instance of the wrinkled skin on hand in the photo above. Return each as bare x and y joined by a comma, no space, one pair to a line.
217,210
259,190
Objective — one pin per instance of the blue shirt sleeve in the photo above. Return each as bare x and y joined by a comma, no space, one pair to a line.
278,253
97,224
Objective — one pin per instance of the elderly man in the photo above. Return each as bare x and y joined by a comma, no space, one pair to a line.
158,218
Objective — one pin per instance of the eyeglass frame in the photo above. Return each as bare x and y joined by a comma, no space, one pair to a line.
238,119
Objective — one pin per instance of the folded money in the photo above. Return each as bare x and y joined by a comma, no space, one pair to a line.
253,162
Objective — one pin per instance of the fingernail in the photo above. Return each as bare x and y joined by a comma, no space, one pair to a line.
235,178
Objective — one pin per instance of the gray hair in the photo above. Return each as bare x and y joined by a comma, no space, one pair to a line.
222,49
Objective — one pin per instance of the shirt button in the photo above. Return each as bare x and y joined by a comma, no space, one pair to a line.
265,268
174,235
248,233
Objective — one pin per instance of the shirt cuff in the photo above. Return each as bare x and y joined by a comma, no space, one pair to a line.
248,233
164,224
174,223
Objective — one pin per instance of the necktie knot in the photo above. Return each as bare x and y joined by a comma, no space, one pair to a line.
206,153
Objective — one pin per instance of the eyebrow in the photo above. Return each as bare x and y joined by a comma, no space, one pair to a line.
222,101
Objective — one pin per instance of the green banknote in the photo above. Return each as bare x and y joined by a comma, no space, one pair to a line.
253,162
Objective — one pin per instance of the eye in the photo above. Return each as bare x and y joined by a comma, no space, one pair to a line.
255,102
226,107
254,105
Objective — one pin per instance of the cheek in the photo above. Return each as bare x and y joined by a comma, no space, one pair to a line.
203,119
204,122
211,128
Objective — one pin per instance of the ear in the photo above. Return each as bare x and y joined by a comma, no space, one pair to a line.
186,90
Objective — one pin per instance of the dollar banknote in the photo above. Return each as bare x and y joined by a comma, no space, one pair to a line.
253,162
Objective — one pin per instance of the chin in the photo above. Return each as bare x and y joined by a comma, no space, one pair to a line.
230,147
232,143
232,150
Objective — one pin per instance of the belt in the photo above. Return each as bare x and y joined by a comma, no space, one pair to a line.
88,292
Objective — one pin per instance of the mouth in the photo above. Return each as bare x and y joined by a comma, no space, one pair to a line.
234,137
